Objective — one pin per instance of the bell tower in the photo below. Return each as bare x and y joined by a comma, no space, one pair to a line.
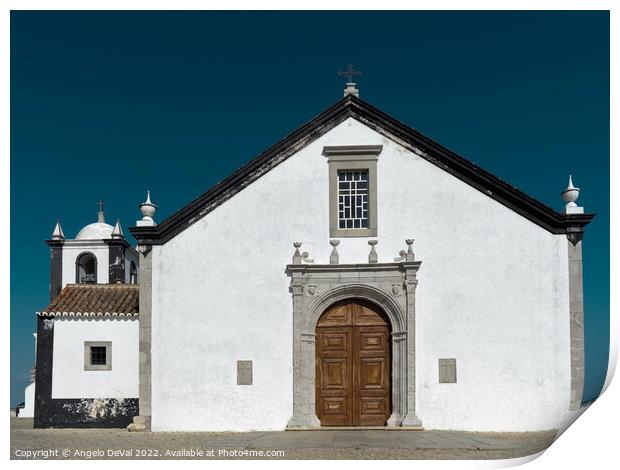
99,254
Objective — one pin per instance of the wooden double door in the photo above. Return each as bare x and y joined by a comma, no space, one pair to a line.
353,366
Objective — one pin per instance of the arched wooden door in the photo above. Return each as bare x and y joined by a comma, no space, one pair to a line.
353,366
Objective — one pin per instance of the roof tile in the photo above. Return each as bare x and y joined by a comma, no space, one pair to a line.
95,300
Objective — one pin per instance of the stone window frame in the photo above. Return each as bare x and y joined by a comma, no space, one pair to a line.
352,157
88,366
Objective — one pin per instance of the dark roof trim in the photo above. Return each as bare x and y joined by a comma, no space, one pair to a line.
409,138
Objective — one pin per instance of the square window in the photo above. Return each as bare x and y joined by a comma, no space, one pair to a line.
98,355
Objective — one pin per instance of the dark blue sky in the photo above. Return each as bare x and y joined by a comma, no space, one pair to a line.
108,104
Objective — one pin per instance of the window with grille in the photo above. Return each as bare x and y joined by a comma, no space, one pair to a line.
98,356
353,199
352,190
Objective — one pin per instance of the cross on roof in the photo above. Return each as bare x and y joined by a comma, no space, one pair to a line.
350,73
101,204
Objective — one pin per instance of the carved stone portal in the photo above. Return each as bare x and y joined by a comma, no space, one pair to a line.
391,287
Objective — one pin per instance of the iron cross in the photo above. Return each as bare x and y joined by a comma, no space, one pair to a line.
101,204
350,73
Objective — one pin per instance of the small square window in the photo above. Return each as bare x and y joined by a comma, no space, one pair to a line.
98,355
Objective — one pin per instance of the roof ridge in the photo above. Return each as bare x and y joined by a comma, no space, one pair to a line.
351,106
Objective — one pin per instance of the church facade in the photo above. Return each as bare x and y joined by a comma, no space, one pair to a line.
357,274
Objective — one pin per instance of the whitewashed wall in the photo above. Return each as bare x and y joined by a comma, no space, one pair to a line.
70,380
28,410
72,249
492,293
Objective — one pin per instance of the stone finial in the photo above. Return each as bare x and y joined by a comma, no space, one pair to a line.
297,254
351,89
570,196
410,255
334,258
372,256
58,234
117,233
350,73
147,208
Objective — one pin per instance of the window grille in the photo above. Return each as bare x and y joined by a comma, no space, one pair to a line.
98,356
353,199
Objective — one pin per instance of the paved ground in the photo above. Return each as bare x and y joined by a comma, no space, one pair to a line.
367,444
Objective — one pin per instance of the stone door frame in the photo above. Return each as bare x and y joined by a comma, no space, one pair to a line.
389,286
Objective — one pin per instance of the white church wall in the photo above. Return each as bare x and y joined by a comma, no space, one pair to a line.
73,249
28,410
492,293
70,380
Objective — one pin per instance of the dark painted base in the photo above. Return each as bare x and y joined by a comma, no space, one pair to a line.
86,413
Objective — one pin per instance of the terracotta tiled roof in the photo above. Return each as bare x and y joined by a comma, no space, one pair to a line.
93,300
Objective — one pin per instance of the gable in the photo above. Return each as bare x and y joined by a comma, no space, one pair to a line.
352,107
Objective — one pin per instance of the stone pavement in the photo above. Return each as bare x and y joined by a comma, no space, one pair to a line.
345,444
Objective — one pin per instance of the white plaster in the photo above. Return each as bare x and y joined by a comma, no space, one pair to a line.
492,293
28,410
95,231
573,210
70,380
71,250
